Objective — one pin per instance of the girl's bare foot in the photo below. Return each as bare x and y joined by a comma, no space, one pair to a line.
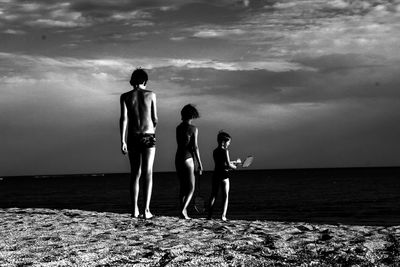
184,215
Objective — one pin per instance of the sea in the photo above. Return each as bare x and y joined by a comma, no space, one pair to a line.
356,196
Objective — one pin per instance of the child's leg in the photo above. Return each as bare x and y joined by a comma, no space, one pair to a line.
181,172
214,194
147,170
135,161
190,184
181,187
225,195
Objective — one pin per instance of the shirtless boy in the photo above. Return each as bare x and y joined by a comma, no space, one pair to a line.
137,127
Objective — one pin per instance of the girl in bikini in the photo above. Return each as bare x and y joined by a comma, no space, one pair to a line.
186,156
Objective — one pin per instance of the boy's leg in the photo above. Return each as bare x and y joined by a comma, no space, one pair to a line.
214,194
135,161
189,181
147,170
225,194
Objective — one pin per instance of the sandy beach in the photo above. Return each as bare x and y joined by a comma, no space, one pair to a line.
47,237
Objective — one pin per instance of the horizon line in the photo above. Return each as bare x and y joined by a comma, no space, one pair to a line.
246,169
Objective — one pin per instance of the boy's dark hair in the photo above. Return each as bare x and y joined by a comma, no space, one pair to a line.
223,136
139,76
189,112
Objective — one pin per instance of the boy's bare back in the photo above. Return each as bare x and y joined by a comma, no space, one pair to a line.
141,111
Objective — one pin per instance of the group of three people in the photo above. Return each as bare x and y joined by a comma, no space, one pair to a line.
138,123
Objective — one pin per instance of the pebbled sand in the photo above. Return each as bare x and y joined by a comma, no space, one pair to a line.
44,237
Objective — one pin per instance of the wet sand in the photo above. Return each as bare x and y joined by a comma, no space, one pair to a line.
48,237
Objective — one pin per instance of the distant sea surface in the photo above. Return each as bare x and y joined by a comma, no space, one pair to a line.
364,196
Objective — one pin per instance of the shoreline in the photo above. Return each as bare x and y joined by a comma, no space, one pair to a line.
35,236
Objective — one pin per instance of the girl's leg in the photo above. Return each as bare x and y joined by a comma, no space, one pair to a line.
182,190
180,171
135,161
214,194
189,180
225,195
147,169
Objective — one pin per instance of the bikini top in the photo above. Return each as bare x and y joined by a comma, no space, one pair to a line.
185,136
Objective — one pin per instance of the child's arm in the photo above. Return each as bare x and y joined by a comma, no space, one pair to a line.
228,161
154,117
123,123
197,152
237,162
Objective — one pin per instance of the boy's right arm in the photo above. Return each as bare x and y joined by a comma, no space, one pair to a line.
123,123
228,161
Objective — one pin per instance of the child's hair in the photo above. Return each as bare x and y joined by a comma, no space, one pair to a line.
223,136
139,76
189,112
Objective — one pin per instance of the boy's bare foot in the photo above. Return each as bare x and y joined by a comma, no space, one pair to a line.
148,215
135,213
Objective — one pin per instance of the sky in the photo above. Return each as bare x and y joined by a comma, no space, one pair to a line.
297,84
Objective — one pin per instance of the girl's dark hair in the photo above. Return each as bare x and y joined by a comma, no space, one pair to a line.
139,76
223,136
189,112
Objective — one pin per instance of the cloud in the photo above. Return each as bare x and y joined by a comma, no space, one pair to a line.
135,14
57,23
272,65
43,14
307,80
120,67
289,29
72,15
14,32
194,13
283,30
210,33
327,79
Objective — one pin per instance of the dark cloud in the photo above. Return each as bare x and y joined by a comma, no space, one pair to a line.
202,13
345,62
338,77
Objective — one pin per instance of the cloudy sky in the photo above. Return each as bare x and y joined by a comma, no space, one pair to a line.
298,84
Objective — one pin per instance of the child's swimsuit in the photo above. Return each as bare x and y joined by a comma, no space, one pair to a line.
185,139
221,170
140,141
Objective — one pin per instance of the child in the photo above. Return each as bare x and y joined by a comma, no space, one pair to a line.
186,156
221,172
137,126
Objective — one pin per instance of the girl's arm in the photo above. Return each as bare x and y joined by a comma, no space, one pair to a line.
123,123
197,152
228,161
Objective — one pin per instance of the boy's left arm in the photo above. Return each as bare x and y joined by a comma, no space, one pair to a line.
154,117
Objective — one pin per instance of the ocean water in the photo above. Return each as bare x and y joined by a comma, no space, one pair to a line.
363,196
